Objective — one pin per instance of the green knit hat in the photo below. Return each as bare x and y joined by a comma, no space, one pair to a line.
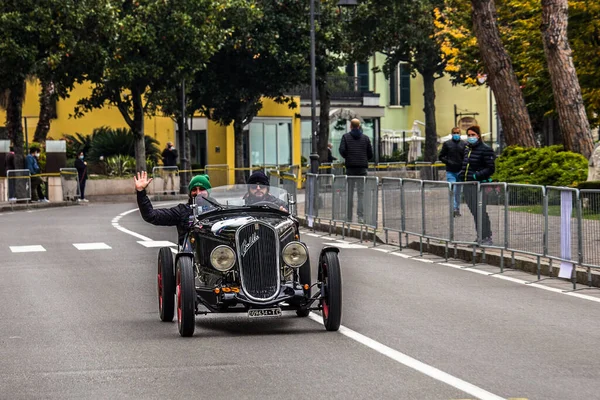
200,180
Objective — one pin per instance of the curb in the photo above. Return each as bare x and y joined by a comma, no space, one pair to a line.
34,206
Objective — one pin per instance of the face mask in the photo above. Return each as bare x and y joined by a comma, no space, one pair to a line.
37,155
456,136
81,157
472,140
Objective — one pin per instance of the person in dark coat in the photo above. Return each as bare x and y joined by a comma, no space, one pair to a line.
330,157
32,164
258,191
169,158
178,215
9,164
357,150
478,166
452,154
82,175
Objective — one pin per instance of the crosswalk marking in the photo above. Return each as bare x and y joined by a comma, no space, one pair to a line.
156,243
27,249
92,246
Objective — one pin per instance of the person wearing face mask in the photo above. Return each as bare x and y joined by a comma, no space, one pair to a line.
31,163
478,166
82,175
178,215
452,154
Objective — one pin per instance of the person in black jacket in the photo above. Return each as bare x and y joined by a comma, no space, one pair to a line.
169,157
330,157
357,151
179,215
82,175
258,191
452,154
478,166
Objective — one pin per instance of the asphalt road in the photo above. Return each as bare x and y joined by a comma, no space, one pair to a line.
78,324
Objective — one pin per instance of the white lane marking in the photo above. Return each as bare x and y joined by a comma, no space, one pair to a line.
423,260
401,255
382,250
346,245
414,363
27,249
313,234
156,243
127,231
92,246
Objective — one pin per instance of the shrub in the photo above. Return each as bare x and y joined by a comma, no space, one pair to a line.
550,166
120,165
110,142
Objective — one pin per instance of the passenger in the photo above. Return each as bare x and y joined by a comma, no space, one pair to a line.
258,191
178,215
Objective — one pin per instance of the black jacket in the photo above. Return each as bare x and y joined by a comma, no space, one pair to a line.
452,154
356,149
478,163
175,216
81,170
169,157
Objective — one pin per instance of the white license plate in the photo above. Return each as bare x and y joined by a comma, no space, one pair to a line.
265,312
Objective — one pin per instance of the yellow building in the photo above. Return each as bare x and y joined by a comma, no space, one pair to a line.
273,137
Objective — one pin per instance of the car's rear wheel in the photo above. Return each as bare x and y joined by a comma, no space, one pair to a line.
305,279
331,290
185,293
166,285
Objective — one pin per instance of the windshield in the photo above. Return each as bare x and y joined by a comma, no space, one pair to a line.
234,196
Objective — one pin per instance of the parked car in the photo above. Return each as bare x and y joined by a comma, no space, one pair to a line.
245,259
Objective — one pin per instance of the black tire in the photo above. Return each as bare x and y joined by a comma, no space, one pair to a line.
305,278
166,285
186,296
331,290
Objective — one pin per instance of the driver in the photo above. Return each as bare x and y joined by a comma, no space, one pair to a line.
178,215
258,191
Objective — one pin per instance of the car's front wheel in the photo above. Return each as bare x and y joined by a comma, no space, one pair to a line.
185,293
166,285
331,290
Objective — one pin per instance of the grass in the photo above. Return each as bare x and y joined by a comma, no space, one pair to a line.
553,211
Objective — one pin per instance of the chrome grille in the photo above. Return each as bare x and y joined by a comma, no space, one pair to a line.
258,255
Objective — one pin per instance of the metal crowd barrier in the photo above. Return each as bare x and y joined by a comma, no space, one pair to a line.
166,180
69,181
19,185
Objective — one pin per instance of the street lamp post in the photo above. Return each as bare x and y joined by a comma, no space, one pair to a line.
314,156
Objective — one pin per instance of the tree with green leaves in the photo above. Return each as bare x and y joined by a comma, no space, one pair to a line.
154,46
263,57
43,40
404,32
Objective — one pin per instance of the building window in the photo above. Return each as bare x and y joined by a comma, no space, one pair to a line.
270,142
360,73
400,86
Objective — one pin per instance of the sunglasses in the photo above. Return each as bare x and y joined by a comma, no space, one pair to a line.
256,186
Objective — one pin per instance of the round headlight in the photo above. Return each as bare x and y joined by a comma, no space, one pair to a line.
222,258
295,254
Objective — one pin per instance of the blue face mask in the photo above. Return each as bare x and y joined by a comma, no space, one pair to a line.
472,140
81,157
456,137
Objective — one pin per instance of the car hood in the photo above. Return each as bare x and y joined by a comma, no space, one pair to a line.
225,226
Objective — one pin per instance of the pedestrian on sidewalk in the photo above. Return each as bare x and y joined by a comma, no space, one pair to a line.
478,166
357,150
82,175
452,154
169,156
9,164
32,164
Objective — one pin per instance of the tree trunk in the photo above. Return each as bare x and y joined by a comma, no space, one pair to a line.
431,138
46,112
238,132
513,113
14,118
324,108
572,118
138,130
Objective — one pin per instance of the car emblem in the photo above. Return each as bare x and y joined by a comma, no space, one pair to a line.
256,227
248,243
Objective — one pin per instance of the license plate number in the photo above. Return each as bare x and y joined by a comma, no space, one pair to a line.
265,312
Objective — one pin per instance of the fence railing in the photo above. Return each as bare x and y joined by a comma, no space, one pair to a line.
556,223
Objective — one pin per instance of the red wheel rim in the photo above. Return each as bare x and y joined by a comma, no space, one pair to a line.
324,303
160,290
178,294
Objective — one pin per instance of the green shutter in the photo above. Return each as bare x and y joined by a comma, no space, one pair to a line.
393,89
363,77
404,85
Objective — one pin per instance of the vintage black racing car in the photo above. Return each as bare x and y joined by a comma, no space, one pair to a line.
245,259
